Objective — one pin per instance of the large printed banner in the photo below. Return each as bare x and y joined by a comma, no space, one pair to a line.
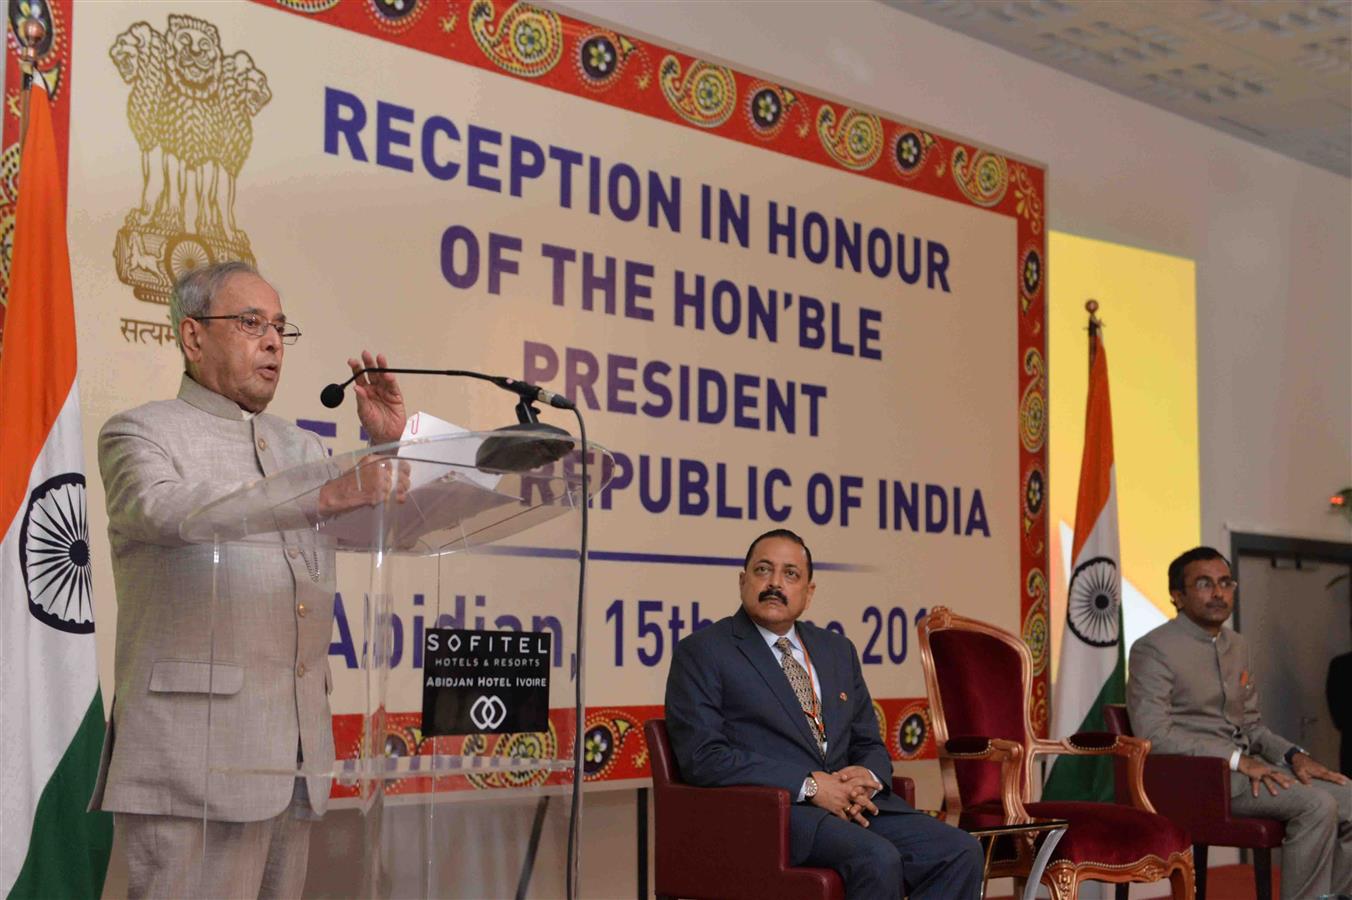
775,309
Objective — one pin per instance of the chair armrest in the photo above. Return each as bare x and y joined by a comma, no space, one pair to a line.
1189,790
1091,741
1102,743
981,748
973,748
904,787
699,824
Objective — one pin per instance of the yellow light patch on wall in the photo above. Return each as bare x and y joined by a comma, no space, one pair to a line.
1147,302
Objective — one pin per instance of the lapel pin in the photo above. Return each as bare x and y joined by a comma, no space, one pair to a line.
842,696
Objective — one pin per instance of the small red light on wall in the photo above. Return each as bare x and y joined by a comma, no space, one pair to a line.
1342,502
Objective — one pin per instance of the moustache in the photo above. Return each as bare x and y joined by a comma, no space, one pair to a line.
772,593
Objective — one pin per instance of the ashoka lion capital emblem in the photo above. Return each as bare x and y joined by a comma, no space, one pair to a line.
191,111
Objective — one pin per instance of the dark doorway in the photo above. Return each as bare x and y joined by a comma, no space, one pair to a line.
1293,608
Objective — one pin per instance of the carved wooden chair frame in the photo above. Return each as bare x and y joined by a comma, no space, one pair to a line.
1016,760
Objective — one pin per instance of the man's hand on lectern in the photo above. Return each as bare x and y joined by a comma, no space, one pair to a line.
372,481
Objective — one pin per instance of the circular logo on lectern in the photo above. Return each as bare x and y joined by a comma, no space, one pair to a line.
488,712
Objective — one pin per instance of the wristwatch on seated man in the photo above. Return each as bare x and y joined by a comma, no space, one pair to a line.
1286,757
809,788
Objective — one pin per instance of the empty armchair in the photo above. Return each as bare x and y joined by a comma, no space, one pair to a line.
979,679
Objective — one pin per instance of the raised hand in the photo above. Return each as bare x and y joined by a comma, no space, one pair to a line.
380,402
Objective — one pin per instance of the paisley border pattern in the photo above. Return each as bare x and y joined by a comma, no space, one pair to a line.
705,95
1036,629
689,92
1033,404
855,141
982,176
527,41
852,140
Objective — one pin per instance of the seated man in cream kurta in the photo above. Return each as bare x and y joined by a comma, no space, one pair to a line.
269,678
1191,691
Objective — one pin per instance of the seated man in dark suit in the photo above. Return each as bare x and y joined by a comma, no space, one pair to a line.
761,698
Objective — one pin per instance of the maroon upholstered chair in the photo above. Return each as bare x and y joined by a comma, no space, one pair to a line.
980,680
729,842
1193,792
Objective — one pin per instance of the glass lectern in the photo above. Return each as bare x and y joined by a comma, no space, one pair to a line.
454,665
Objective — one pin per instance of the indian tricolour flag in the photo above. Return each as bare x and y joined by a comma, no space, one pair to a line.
51,713
1093,670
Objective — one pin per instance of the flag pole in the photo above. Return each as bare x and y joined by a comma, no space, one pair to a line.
30,34
1095,323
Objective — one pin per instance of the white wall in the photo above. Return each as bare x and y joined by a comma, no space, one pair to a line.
1271,237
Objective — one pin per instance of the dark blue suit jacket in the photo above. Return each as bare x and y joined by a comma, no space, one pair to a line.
733,718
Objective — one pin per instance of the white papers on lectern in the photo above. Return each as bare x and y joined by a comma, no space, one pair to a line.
447,495
420,443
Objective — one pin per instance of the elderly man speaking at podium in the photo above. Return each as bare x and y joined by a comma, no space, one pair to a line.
160,462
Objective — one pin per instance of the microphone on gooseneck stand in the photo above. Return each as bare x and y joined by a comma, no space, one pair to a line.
332,395
530,443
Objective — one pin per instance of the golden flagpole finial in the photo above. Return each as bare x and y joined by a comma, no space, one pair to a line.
1092,306
30,32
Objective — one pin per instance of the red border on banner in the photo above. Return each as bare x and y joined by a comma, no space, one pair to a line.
597,63
613,746
55,66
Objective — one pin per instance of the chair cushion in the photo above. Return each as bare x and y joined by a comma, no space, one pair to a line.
1110,834
980,680
1240,833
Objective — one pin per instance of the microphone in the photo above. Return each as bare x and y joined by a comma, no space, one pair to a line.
332,395
533,392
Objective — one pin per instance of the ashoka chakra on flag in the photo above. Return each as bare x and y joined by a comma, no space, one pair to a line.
54,554
1093,601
